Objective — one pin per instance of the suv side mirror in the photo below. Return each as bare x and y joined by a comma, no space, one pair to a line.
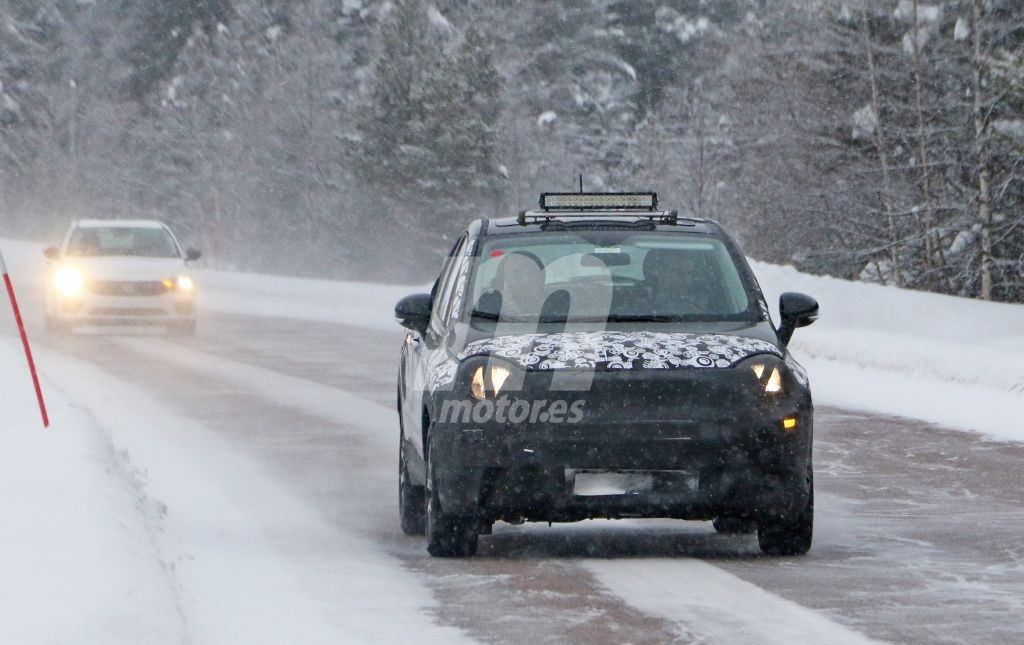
413,312
796,310
51,253
192,255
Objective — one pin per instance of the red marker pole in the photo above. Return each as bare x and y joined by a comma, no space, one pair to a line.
24,342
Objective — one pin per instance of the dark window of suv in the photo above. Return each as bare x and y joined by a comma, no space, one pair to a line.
611,275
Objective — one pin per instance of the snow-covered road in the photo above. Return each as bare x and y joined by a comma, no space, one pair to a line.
239,487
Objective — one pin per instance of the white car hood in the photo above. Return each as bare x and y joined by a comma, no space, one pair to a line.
133,269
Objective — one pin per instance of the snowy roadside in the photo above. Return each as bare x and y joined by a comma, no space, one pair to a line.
352,303
119,527
727,609
951,361
80,556
220,536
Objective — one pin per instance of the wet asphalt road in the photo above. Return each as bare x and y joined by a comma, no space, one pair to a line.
919,534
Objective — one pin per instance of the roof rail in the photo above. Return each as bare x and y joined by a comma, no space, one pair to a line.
662,217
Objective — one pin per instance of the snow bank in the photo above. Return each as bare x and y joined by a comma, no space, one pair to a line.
79,559
351,303
950,361
98,552
232,538
26,263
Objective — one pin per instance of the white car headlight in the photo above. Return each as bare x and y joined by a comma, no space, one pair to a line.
68,281
186,283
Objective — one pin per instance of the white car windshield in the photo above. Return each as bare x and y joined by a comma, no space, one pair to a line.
122,241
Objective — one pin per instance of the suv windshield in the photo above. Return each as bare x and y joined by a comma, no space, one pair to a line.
594,276
122,241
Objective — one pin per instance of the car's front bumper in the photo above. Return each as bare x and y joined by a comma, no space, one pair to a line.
93,309
717,451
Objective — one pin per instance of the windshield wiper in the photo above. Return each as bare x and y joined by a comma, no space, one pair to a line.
489,315
643,318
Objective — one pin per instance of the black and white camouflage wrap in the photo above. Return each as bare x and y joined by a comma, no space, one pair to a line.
442,375
607,350
620,350
799,373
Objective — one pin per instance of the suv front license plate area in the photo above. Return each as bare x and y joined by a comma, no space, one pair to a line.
600,483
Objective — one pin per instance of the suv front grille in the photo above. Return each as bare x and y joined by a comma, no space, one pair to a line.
104,288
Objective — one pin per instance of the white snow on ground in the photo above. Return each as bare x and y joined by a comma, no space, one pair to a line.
97,551
309,397
353,303
221,535
25,262
80,562
951,361
720,607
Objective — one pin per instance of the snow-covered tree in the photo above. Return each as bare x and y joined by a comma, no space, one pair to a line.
427,149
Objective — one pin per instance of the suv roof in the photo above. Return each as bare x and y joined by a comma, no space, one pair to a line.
542,221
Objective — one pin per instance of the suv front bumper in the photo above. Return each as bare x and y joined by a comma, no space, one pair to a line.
721,450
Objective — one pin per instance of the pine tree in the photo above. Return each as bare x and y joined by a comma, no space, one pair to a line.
428,143
167,27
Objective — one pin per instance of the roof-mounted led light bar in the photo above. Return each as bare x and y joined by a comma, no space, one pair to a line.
598,201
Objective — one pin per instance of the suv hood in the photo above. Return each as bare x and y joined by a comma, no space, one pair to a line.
129,268
620,350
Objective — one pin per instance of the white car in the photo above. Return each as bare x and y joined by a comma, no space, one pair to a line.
120,272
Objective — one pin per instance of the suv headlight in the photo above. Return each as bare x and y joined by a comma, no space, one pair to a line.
769,372
488,378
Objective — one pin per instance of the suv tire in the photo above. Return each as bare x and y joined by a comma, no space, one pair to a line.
448,536
790,535
411,498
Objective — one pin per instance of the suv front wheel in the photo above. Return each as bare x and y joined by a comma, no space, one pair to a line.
448,536
411,504
790,535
